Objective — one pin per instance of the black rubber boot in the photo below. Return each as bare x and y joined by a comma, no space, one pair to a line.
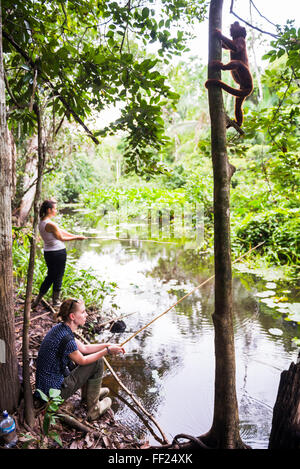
55,298
36,301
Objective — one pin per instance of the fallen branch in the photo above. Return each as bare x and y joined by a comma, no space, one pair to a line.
88,425
34,318
74,423
51,310
135,400
139,414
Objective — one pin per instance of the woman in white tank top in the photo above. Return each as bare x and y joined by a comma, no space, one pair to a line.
54,251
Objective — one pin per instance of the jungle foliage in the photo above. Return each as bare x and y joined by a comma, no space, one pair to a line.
264,194
85,57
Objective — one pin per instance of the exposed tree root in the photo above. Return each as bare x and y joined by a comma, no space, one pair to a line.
205,441
194,443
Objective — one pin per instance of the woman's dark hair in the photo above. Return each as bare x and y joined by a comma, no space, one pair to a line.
67,307
45,206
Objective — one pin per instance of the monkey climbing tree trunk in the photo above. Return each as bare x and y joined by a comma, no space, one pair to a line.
224,432
9,382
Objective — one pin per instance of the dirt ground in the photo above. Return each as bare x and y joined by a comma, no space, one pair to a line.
103,433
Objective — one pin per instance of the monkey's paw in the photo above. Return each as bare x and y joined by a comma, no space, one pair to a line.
217,33
215,65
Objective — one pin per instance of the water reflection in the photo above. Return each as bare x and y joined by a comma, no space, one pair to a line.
170,366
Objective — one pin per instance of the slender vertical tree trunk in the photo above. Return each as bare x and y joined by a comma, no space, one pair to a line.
224,432
9,382
13,159
29,412
28,183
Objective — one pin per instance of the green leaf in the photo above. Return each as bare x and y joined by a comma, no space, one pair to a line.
43,396
56,438
54,392
145,12
53,407
46,423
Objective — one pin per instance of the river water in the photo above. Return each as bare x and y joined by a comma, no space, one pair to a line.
169,366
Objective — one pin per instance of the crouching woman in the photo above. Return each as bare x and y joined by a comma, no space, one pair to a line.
61,352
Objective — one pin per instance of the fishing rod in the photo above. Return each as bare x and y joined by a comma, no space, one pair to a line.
185,296
130,239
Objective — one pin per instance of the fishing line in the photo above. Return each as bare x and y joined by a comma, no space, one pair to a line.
130,239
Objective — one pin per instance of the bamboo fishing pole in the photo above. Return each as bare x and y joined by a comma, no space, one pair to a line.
130,239
185,296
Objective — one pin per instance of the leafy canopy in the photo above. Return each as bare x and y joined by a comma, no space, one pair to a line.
87,55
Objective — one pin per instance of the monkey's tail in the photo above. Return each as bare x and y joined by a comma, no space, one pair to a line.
241,93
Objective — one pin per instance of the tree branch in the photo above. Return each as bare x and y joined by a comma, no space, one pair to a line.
11,93
249,24
255,7
35,181
46,79
34,84
60,124
124,35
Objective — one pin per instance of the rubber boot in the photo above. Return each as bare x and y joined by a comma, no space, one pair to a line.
84,394
103,393
55,298
96,408
36,301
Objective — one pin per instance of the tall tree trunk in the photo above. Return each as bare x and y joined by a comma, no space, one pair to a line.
9,389
224,432
28,183
13,158
29,412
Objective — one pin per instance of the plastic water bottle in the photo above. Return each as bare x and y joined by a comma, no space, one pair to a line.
8,430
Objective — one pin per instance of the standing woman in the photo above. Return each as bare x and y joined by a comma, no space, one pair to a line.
54,251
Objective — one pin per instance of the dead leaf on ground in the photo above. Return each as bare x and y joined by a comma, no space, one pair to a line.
89,441
145,445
